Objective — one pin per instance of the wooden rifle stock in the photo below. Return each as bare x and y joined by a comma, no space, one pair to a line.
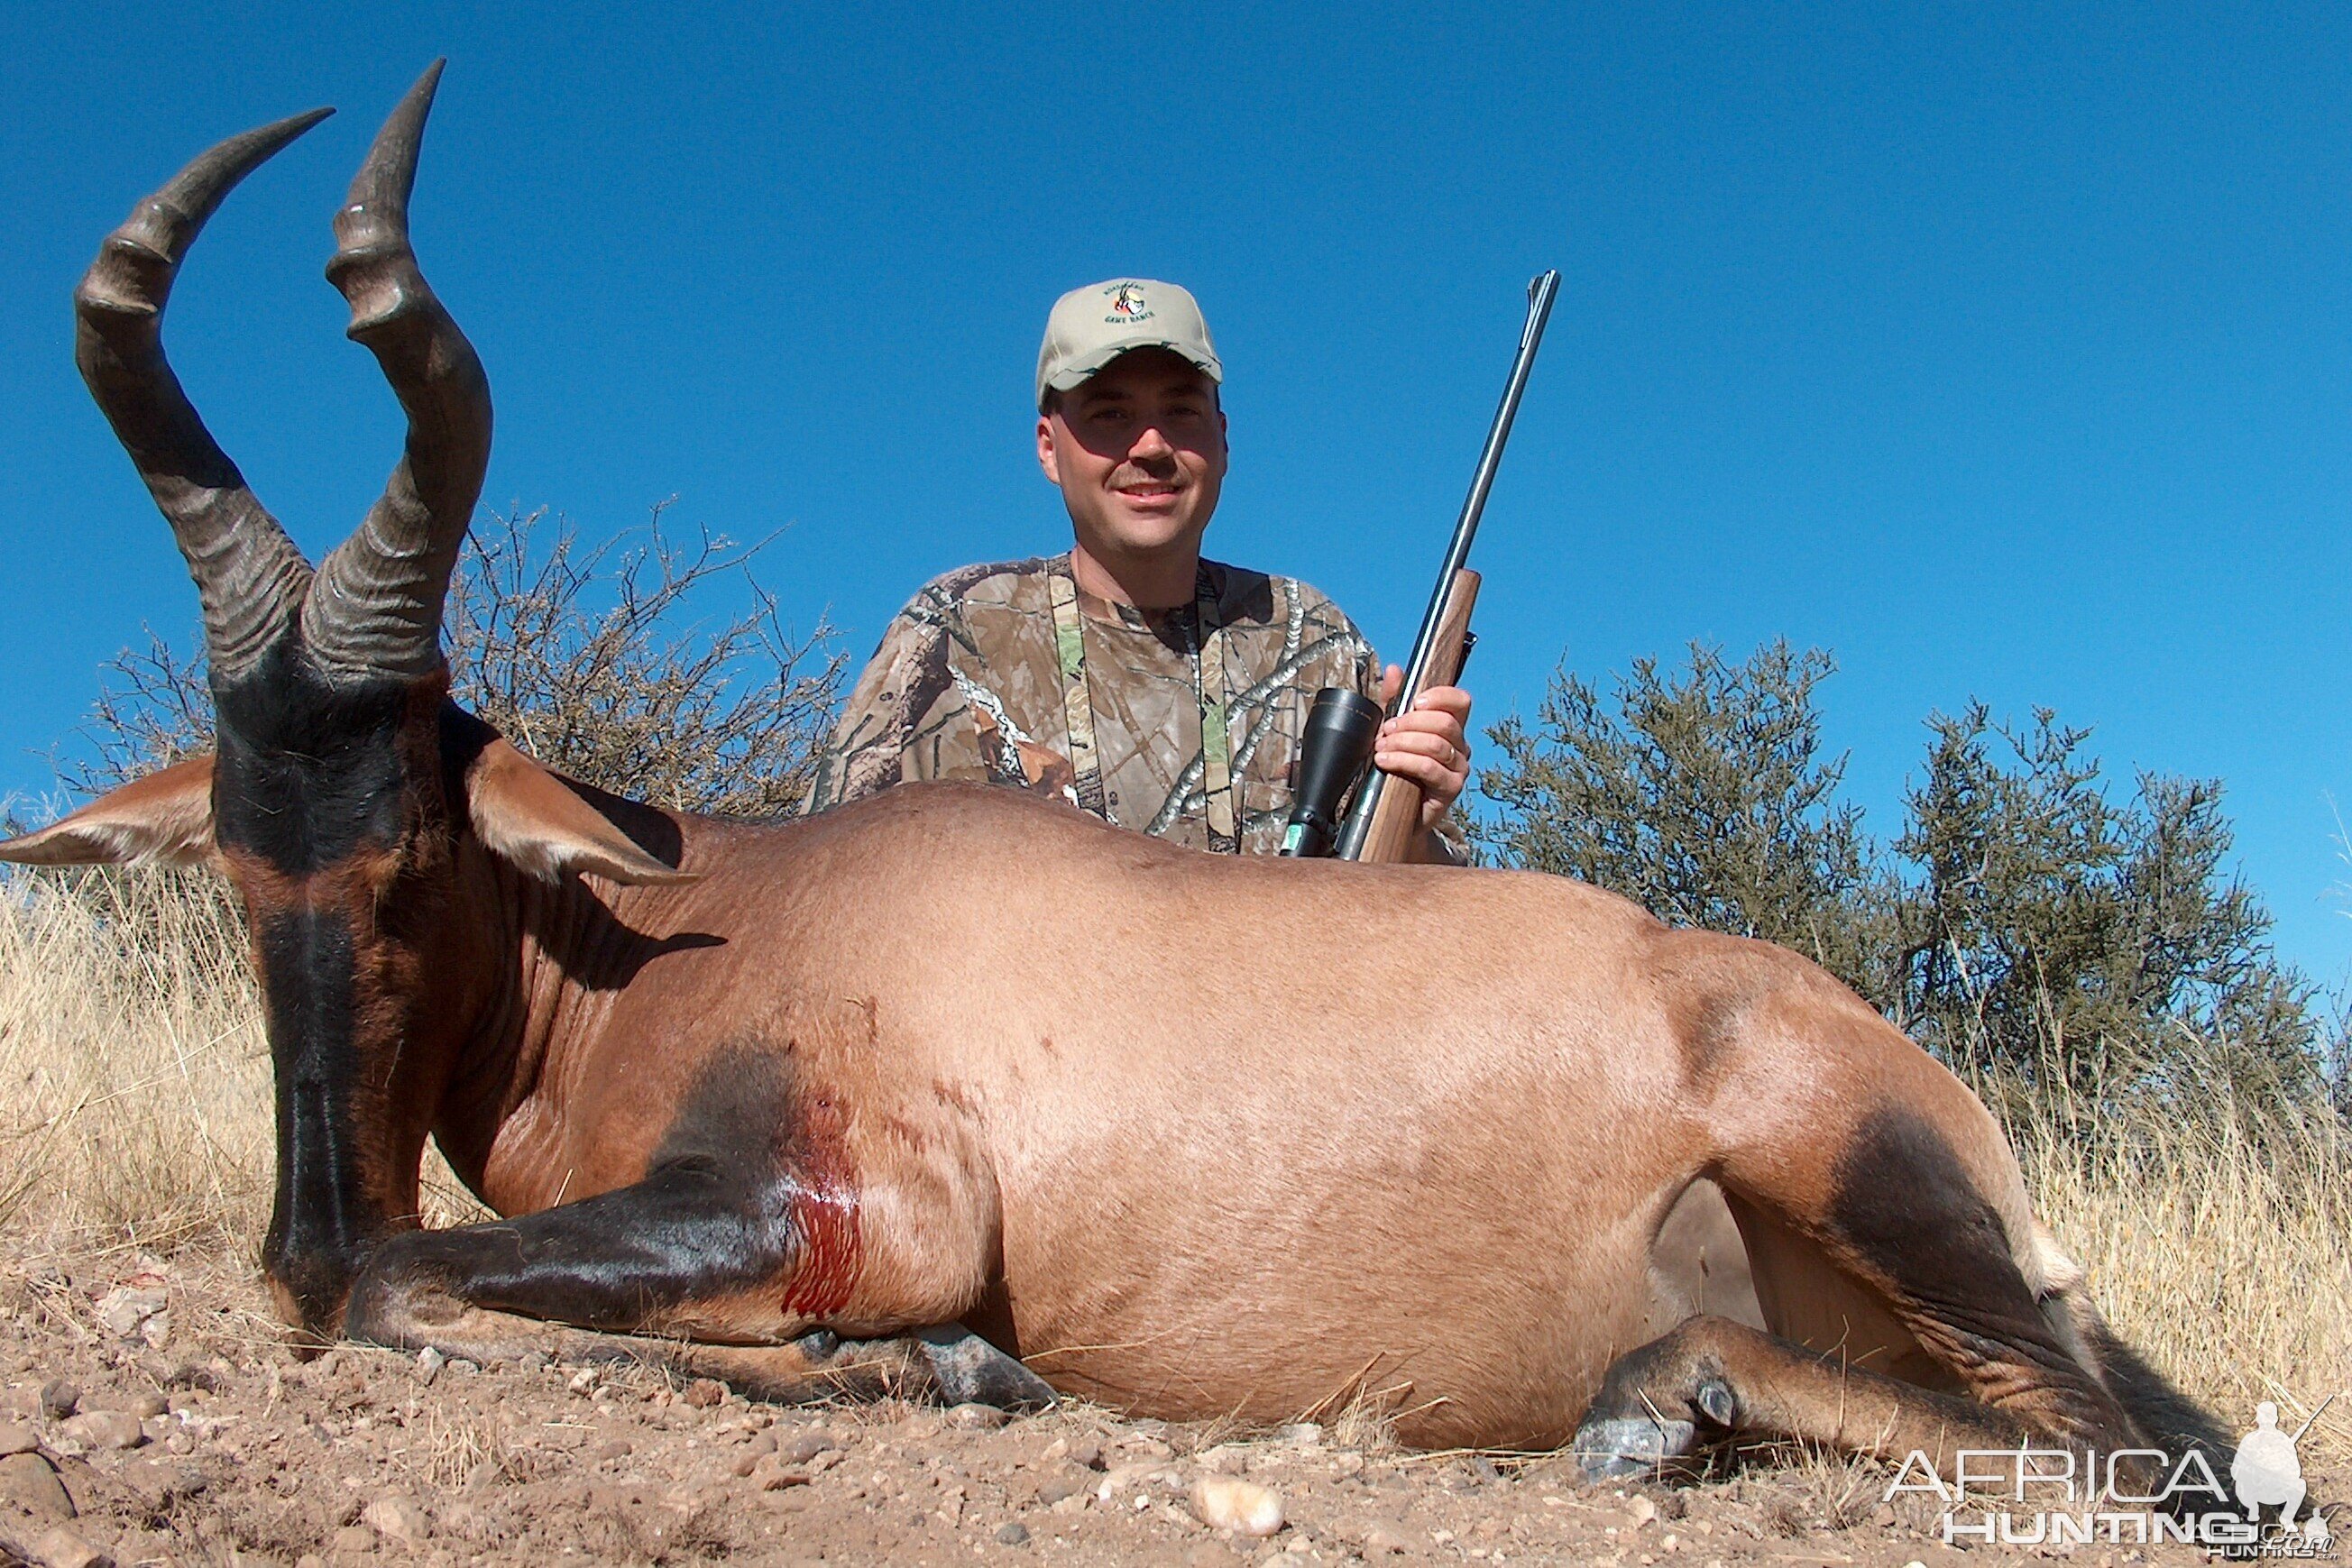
1396,828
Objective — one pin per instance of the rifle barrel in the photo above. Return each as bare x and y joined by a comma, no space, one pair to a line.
1457,552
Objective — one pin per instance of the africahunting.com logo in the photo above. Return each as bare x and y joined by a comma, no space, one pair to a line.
2053,1497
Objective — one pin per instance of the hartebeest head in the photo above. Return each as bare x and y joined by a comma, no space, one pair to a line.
344,784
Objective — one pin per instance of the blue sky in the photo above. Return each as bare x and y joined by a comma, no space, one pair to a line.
2001,350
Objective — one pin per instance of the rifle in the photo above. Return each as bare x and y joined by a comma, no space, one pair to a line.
1337,746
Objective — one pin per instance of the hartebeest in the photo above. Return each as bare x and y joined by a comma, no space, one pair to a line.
957,1068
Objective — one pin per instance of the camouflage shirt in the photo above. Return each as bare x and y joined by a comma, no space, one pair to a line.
969,683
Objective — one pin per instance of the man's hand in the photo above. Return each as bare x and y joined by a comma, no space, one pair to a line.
1430,746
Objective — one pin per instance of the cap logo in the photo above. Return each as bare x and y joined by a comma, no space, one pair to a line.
1127,306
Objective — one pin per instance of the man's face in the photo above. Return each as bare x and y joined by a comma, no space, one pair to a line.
1139,450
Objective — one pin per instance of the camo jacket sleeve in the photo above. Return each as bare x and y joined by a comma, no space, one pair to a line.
908,717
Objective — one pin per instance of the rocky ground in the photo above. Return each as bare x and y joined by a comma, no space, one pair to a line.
155,1414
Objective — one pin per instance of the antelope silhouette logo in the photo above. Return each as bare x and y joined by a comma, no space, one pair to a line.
1128,304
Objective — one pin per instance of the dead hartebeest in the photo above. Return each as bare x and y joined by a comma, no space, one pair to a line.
960,1089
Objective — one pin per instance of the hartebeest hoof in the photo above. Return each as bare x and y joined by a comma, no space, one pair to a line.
970,1371
1657,1407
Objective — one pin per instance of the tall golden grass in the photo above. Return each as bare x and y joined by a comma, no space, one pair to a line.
2221,1247
135,1112
134,1077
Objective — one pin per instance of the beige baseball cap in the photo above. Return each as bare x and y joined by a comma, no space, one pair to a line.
1091,326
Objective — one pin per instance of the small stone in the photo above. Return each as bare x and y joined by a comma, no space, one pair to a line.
1381,1539
1306,1434
802,1446
1087,1451
1126,1476
149,1404
773,1475
309,1560
103,1430
972,1417
353,1538
532,1361
1013,1534
124,1312
62,1546
1225,1503
429,1362
191,1374
1643,1510
29,1486
618,1448
59,1399
466,1522
157,1482
1071,1482
704,1392
15,1438
464,1367
583,1382
398,1518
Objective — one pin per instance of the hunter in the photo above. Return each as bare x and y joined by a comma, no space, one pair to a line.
1155,688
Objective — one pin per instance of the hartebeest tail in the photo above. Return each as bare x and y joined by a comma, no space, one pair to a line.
818,1101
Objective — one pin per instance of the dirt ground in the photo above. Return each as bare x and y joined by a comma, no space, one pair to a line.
155,1413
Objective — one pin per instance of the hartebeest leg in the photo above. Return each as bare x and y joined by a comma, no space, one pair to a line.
1902,1220
818,1366
677,1259
1711,1378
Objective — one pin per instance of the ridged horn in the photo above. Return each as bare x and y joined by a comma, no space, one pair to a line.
248,575
376,609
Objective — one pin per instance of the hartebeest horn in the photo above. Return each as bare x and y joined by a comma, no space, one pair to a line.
376,606
248,574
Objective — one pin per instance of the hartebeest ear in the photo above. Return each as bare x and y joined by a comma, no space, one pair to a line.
528,815
166,816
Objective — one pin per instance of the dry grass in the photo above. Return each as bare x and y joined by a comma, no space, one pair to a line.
2222,1252
135,1113
134,1078
445,1450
